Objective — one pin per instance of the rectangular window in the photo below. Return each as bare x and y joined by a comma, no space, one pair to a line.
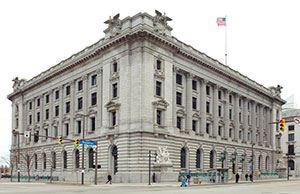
194,125
194,85
179,79
291,137
194,103
56,94
230,99
47,98
158,64
231,133
30,119
220,130
207,128
115,67
94,98
78,126
66,129
67,107
291,127
158,117
30,105
93,124
240,117
79,103
94,80
46,133
179,122
80,85
207,90
38,102
158,88
207,107
56,111
47,114
113,118
220,95
178,98
115,90
68,90
291,150
38,117
220,111
230,114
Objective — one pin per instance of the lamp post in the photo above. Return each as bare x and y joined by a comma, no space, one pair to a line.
252,162
17,135
82,164
149,167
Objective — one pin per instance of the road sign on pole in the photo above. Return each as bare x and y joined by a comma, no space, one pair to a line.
297,120
87,142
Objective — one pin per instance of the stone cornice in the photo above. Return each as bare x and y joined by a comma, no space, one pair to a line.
144,31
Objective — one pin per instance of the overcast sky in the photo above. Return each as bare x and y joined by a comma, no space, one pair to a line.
263,37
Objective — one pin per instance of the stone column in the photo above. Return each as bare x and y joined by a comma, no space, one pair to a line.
245,119
268,129
226,114
72,106
51,112
85,102
253,119
175,69
99,97
261,125
215,111
188,102
203,106
236,117
61,111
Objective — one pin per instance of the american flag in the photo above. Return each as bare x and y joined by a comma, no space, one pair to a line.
221,21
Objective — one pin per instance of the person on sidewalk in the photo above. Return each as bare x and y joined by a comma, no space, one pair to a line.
109,179
246,177
188,177
251,178
237,176
183,184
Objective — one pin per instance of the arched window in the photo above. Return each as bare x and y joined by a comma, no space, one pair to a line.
35,162
260,162
291,164
91,158
267,163
198,158
114,154
65,159
183,158
44,161
211,159
76,158
53,160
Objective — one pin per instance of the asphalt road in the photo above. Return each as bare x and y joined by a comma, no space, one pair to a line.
284,187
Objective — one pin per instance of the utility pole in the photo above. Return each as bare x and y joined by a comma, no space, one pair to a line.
252,163
82,165
149,167
18,163
96,162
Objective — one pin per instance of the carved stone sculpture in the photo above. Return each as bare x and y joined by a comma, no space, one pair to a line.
280,164
114,25
18,83
163,156
160,22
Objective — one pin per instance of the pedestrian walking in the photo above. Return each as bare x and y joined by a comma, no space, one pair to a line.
153,177
108,179
246,177
237,176
251,177
188,177
183,184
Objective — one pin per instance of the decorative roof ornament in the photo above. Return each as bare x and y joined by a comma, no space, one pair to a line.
276,91
114,25
18,83
160,22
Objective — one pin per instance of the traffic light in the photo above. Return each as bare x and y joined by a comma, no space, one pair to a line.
76,142
59,140
251,158
36,136
282,125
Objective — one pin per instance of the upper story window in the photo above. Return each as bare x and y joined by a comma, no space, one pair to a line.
230,114
94,98
291,149
79,103
68,90
93,124
178,98
194,103
291,127
115,67
38,102
30,105
80,85
230,99
207,107
179,122
38,117
158,65
113,118
56,110
220,111
240,102
158,88
57,94
178,79
194,85
67,107
292,137
94,80
47,114
220,95
115,90
158,117
207,90
47,98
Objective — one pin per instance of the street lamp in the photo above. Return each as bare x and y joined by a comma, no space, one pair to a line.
252,162
82,159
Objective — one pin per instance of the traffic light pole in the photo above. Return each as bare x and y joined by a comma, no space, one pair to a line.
82,164
18,163
252,163
96,163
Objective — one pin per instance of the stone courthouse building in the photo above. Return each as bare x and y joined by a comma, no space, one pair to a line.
138,89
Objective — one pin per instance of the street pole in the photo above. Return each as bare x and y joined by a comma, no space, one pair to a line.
149,167
18,162
252,163
96,162
82,165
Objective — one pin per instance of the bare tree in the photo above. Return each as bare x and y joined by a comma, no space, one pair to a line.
9,161
52,161
28,162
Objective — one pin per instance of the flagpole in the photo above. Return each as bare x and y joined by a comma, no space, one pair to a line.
226,41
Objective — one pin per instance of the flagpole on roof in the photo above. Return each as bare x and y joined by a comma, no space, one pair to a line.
226,40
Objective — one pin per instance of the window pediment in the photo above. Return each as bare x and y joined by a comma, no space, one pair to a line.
111,105
162,104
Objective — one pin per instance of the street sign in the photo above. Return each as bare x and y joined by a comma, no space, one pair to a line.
87,142
297,120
